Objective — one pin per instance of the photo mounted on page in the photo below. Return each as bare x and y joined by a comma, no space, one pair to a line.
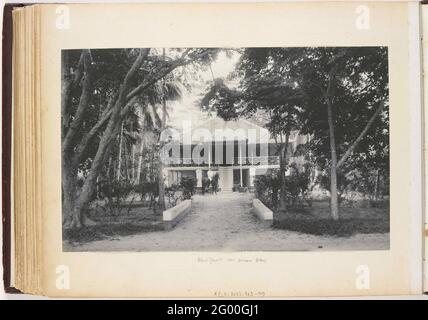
214,149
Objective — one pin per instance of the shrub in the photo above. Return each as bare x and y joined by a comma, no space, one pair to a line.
297,186
358,183
116,189
150,189
173,194
344,186
188,185
267,188
116,192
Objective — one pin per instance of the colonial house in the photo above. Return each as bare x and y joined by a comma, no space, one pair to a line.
237,150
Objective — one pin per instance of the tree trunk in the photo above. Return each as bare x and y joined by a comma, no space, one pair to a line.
377,186
108,168
125,161
140,162
334,204
68,81
68,194
89,185
140,156
110,133
160,168
161,183
133,162
68,141
361,135
282,166
119,165
71,203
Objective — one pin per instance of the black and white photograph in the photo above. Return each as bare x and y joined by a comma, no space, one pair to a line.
225,149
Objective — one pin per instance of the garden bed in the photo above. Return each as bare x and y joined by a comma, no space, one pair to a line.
135,221
317,221
105,231
130,204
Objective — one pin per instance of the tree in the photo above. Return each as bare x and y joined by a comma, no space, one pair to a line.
99,88
349,87
263,94
336,95
168,90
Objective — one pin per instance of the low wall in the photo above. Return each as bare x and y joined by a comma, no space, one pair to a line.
262,212
173,215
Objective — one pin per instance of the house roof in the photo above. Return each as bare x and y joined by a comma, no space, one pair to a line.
218,123
217,129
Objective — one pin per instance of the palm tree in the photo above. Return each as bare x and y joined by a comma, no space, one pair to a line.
153,113
128,137
163,93
148,136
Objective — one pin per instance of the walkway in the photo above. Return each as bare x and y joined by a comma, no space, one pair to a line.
223,222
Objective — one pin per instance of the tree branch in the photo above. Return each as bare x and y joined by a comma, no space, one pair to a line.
68,83
83,103
83,145
362,134
160,74
128,106
109,133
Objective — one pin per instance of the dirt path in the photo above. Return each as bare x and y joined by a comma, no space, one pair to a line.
223,222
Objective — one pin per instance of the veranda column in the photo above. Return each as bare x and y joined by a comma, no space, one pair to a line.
240,165
167,177
199,178
252,173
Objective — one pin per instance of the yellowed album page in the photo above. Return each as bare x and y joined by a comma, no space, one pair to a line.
393,268
424,28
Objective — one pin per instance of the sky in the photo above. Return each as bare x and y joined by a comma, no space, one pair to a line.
187,108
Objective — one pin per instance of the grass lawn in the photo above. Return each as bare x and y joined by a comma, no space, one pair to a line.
316,220
139,219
